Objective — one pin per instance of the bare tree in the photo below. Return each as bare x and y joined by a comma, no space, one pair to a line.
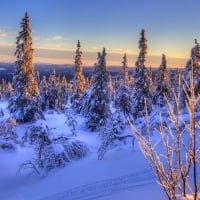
174,157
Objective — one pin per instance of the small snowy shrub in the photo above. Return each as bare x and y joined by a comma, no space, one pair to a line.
109,139
71,121
37,133
7,129
8,136
5,145
1,112
74,149
53,156
50,153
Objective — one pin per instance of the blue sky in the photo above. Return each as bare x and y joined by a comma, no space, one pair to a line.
171,26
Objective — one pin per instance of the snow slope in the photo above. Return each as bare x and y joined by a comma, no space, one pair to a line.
122,174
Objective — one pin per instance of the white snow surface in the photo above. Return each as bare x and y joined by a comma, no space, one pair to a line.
123,174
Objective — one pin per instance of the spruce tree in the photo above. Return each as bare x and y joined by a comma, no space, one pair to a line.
64,96
162,90
192,69
53,91
142,95
123,99
78,80
95,102
24,104
99,110
43,87
124,70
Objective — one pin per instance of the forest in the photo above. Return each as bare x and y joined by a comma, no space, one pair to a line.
160,106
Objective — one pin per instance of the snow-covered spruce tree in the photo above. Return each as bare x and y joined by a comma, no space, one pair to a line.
53,85
162,84
123,98
78,79
24,104
142,95
43,87
192,66
95,102
9,90
124,70
64,93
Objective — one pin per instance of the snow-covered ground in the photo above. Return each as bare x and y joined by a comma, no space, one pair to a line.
122,174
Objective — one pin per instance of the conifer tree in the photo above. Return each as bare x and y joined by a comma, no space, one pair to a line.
95,102
99,99
123,99
78,80
24,104
142,95
64,92
43,87
124,71
192,68
53,91
8,90
162,84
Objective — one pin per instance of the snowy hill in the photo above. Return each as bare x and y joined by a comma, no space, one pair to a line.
122,174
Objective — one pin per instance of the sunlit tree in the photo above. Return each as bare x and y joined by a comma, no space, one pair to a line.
162,84
24,104
79,79
142,81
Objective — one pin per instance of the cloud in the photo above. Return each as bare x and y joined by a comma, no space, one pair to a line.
6,32
56,38
3,35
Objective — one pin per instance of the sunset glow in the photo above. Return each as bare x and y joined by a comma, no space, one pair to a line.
56,27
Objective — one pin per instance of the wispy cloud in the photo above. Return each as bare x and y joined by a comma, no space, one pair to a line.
6,32
56,38
2,34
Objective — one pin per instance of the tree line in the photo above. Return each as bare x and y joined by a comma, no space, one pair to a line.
108,102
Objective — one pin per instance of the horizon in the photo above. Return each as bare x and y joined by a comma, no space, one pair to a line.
56,31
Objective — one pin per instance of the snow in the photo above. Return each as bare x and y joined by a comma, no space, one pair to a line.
122,174
57,148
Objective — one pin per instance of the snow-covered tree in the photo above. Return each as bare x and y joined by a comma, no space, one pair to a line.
174,156
192,67
142,80
64,92
43,87
143,49
113,134
53,91
123,98
6,89
79,79
162,90
124,70
8,135
118,122
71,121
24,103
50,153
95,102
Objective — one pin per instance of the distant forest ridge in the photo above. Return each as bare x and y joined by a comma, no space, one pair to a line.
7,70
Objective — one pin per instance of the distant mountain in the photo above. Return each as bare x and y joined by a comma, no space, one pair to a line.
7,70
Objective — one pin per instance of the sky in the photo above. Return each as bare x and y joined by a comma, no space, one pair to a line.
171,27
